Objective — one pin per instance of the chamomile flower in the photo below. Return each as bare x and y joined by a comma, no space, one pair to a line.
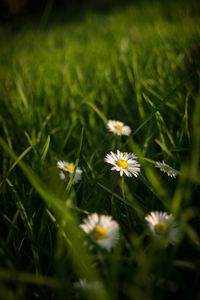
166,169
163,226
69,168
66,166
102,229
123,162
118,128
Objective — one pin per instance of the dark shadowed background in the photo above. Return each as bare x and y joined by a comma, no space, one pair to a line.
11,8
16,9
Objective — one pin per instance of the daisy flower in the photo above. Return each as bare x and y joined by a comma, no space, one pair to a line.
69,168
118,128
103,230
123,162
163,226
166,169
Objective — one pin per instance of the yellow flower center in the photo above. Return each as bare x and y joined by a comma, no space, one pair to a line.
161,228
167,168
69,167
99,233
122,163
119,127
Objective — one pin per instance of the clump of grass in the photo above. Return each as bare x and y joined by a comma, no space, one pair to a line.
60,85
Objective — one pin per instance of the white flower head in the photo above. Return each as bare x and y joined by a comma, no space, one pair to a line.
166,169
69,168
102,229
118,128
123,162
163,226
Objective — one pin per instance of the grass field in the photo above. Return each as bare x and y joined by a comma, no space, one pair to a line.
61,80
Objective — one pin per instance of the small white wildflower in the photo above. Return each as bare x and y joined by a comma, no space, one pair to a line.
102,229
123,162
69,168
163,226
166,169
118,128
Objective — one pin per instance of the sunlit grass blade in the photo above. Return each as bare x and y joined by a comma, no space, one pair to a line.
95,109
18,159
45,149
